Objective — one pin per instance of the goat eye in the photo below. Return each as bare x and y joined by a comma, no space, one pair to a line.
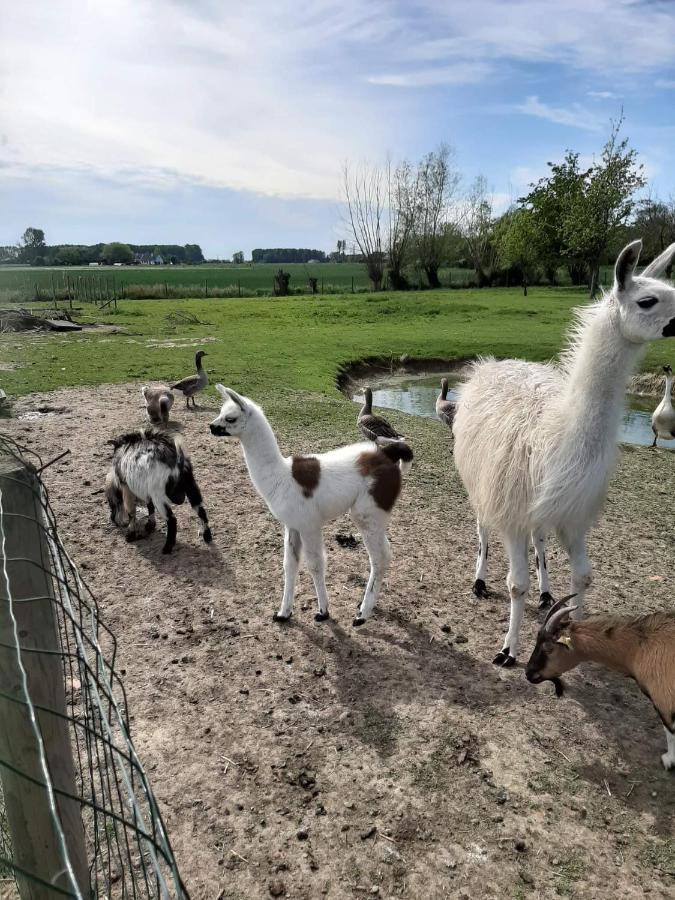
647,303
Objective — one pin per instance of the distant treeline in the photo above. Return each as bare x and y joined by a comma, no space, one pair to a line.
33,251
287,255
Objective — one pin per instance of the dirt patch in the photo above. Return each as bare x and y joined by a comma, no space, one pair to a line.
317,760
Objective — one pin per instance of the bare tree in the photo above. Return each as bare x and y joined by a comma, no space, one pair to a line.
437,183
365,195
402,209
478,230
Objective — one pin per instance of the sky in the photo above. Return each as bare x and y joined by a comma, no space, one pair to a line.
228,124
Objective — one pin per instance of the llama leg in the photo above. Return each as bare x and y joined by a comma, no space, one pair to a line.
150,523
312,544
668,758
195,498
171,529
129,501
292,554
479,588
518,582
581,570
379,552
539,542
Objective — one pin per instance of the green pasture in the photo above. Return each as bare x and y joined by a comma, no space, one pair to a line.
272,345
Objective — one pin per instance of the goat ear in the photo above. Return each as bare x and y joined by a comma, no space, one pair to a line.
626,263
659,265
237,399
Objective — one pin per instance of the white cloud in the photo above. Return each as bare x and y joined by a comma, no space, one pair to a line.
601,95
460,73
574,116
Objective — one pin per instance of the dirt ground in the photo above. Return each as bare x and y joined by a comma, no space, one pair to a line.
315,760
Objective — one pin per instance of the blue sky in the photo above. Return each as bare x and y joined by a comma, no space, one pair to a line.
227,124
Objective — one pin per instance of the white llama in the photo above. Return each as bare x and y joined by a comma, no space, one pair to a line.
305,492
544,462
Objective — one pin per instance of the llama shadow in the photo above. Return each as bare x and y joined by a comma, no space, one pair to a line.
413,669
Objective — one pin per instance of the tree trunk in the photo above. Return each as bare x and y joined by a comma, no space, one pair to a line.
432,276
397,280
594,268
524,285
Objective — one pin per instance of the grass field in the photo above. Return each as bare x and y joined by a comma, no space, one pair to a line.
20,283
294,343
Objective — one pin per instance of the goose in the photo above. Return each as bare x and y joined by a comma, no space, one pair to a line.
445,409
375,428
663,419
193,383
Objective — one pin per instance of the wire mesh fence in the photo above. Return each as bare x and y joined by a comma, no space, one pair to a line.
78,817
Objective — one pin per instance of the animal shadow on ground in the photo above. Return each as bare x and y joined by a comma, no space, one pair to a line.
413,669
190,555
622,712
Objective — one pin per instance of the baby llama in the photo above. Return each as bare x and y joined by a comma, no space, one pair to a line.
543,464
305,492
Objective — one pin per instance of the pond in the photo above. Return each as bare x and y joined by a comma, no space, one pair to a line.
416,394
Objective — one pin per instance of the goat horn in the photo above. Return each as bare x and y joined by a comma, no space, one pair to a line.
560,614
558,605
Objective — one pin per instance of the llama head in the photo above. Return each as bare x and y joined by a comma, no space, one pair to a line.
646,303
552,654
234,413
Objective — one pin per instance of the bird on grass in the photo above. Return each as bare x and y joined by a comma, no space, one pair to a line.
193,384
445,409
375,428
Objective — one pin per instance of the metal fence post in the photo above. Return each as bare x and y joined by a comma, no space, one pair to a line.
39,821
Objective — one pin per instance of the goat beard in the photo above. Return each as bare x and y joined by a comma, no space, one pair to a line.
559,687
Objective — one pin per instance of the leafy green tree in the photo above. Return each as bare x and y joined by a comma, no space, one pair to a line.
116,252
654,222
478,231
238,257
435,189
32,245
515,240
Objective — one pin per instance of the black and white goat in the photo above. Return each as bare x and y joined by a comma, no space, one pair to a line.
151,466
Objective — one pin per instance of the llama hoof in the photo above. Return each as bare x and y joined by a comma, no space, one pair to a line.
132,536
545,600
207,536
166,549
321,616
277,617
358,621
150,526
668,760
480,588
504,659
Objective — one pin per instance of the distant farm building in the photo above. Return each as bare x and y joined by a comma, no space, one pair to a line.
148,259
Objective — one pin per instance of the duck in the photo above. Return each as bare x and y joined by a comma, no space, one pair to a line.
445,409
663,419
375,428
193,383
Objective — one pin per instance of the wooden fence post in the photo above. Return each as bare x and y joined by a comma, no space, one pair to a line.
34,836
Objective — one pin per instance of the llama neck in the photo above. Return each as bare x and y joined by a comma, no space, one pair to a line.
598,368
262,454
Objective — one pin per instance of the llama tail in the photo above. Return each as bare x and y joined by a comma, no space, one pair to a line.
194,495
399,452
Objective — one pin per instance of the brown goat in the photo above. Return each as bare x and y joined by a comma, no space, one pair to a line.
642,648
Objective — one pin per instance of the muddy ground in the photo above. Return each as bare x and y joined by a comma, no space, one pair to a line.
315,760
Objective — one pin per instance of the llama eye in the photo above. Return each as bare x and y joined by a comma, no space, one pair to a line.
230,419
647,303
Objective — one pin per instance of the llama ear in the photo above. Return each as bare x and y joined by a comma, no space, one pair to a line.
144,391
626,263
233,395
659,265
222,390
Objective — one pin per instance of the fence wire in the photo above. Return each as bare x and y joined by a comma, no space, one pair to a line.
127,853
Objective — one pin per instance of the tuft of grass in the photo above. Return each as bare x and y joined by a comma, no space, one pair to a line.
379,729
572,868
661,855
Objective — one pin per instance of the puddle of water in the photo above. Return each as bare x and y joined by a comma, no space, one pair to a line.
416,394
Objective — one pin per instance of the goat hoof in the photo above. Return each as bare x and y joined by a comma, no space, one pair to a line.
545,600
479,588
132,536
321,617
150,526
279,618
207,536
358,621
504,659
